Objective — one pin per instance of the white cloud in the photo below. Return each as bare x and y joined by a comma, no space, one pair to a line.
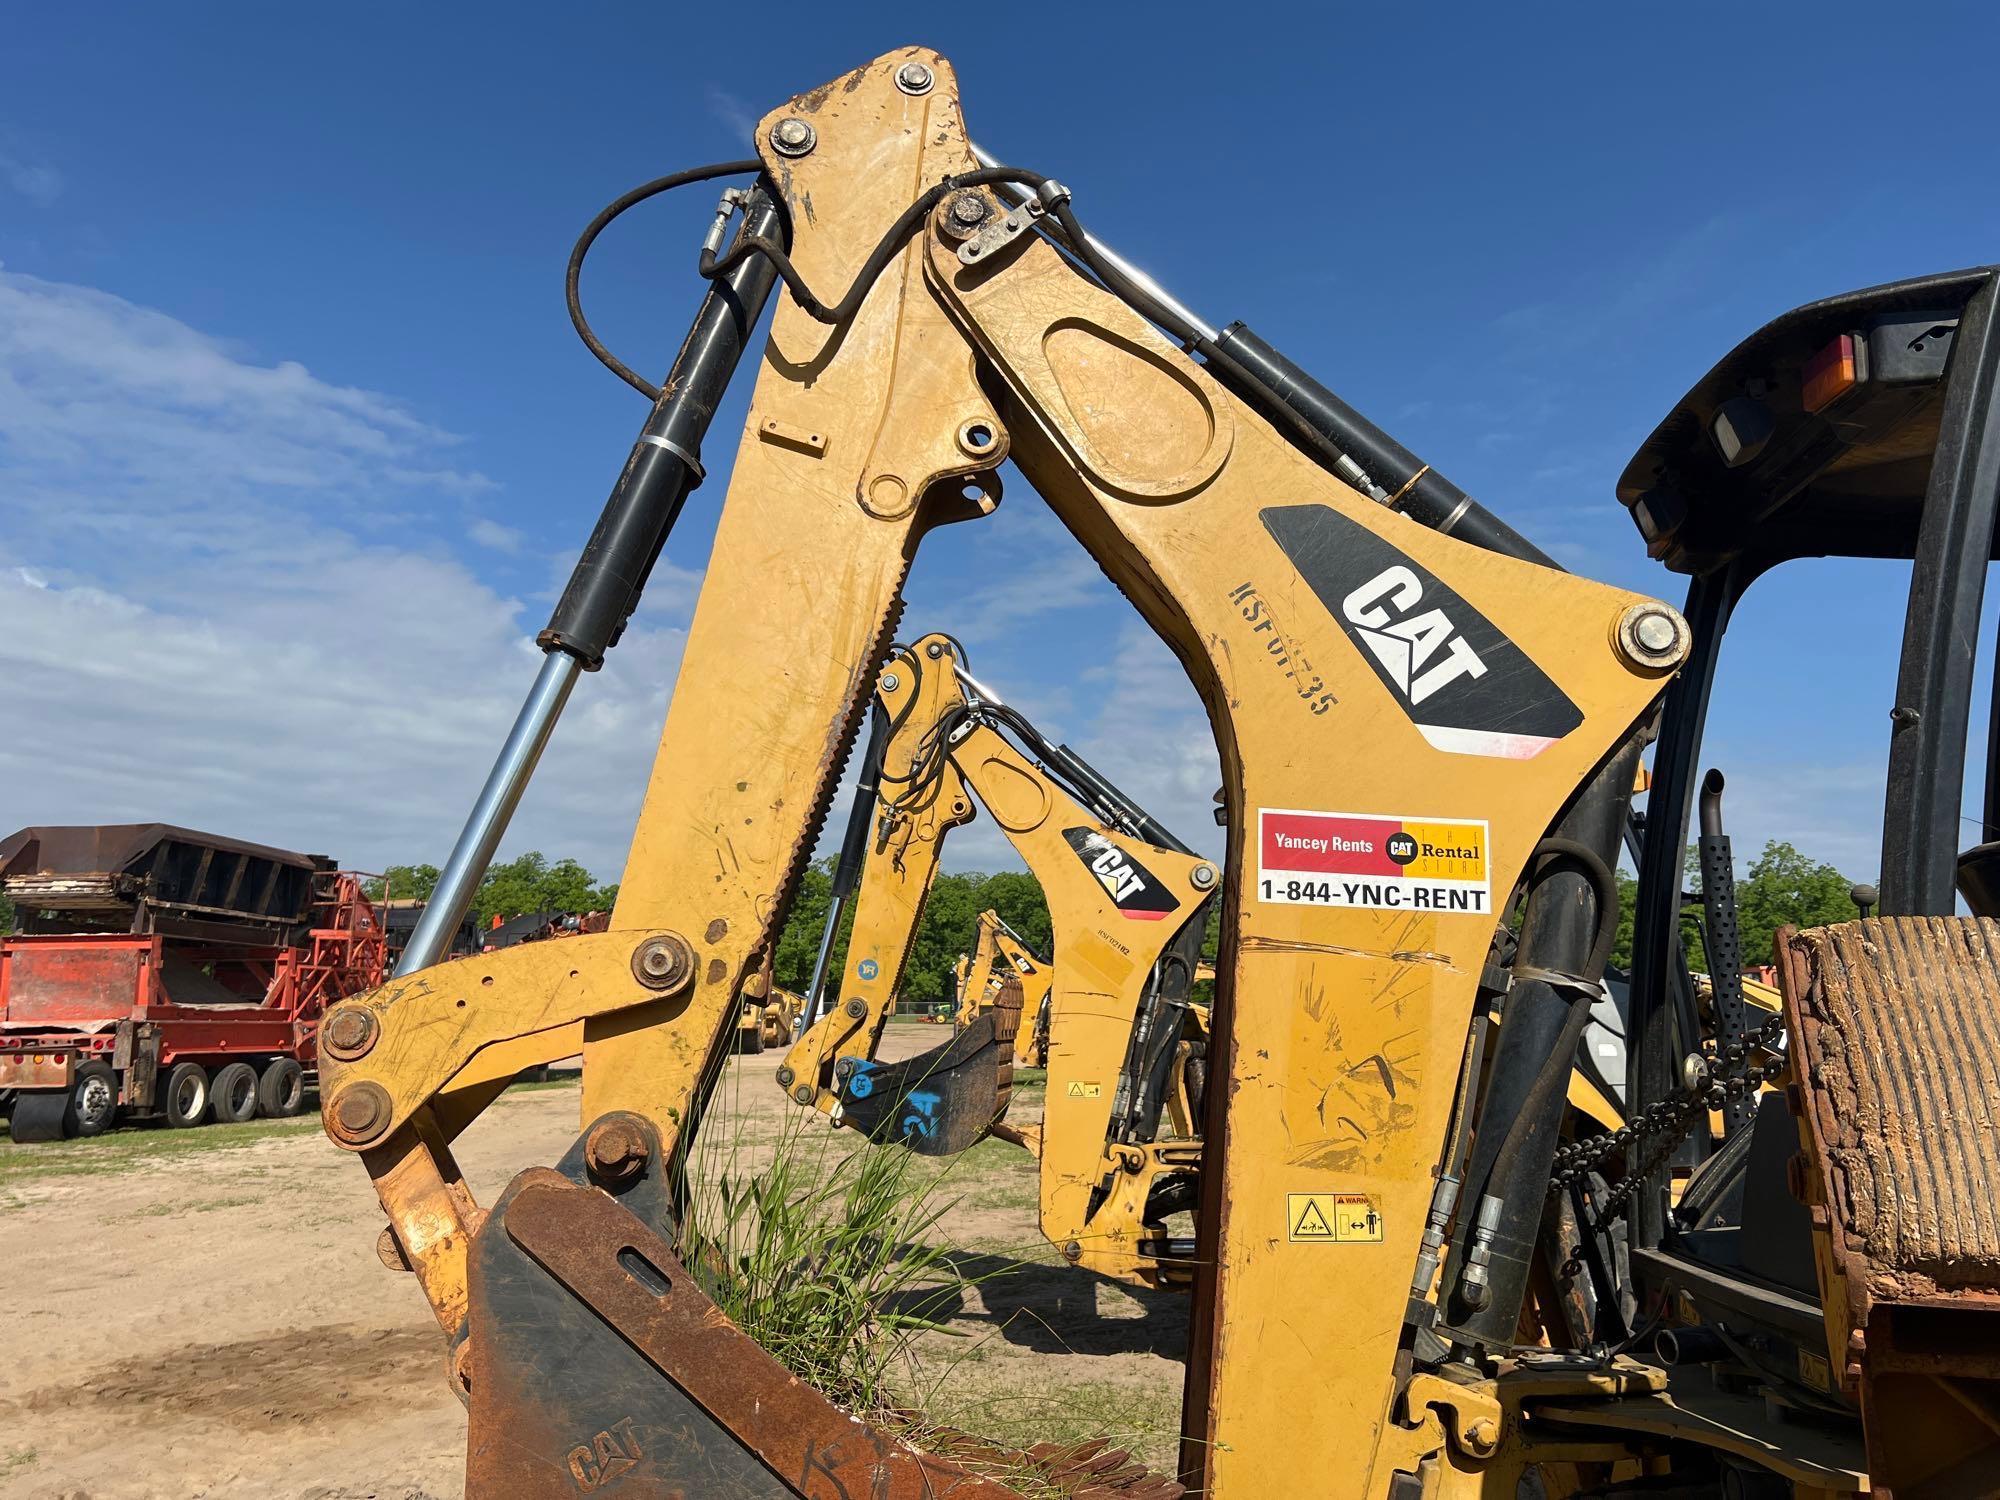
36,181
203,625
490,533
731,113
1152,738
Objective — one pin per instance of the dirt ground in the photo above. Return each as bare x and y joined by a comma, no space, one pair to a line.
201,1313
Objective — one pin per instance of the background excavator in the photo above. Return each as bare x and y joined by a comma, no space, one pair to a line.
1408,1282
998,954
1128,904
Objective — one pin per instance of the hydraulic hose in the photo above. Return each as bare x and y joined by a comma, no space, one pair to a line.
572,280
1555,1070
886,249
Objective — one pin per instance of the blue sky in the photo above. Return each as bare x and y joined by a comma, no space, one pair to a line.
295,440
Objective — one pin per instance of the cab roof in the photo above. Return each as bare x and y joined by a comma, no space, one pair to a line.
1741,468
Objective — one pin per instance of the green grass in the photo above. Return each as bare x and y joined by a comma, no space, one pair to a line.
839,1259
198,1206
16,1459
140,1145
821,1255
126,1150
560,1081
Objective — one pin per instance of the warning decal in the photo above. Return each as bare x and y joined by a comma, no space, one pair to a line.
1381,861
1332,1218
1086,1090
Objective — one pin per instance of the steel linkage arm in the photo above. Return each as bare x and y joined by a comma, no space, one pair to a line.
907,836
1400,718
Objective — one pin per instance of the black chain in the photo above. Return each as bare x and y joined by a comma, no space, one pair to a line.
1733,1072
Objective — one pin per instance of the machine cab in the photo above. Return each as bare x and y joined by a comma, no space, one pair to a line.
1860,426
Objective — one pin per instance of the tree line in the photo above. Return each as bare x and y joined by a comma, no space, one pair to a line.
529,883
1782,886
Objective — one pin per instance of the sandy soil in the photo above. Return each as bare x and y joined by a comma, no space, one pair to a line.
213,1321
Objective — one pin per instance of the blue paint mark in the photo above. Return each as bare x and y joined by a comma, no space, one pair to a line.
921,1122
868,968
862,1083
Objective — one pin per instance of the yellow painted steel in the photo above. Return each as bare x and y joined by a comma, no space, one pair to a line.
1337,1030
1106,957
896,880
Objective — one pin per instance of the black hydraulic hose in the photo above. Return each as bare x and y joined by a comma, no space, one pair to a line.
573,279
861,815
1722,939
886,249
1555,1069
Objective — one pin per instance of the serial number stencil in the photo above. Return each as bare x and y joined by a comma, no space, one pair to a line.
1381,861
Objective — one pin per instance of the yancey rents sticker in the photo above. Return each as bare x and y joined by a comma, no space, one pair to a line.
1377,860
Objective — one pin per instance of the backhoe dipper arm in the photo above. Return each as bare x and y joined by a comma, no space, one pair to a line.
896,876
1400,717
978,971
1116,903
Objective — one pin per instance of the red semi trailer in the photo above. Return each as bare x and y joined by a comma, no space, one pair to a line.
164,973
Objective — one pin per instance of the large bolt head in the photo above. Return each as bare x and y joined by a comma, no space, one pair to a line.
663,963
1202,877
359,1113
1653,637
1482,1436
349,1032
856,1009
785,1077
389,1250
793,137
615,1150
915,78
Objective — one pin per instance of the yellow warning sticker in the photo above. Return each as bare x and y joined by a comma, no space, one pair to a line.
1332,1218
1086,1090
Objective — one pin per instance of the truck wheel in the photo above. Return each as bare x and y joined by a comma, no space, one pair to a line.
281,1092
232,1096
184,1101
93,1100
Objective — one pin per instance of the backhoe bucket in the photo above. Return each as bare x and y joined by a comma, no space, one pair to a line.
940,1102
594,1363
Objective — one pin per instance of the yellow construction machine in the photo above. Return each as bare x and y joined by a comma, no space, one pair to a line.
1001,953
1409,1282
1128,905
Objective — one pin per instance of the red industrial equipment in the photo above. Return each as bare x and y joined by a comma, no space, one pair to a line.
166,973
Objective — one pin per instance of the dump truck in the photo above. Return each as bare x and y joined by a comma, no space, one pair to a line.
163,973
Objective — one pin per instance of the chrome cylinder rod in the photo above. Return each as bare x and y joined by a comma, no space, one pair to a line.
473,852
604,588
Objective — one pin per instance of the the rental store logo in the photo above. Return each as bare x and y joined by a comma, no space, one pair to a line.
1379,861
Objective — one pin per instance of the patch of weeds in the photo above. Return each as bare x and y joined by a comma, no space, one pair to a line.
14,1460
825,1262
